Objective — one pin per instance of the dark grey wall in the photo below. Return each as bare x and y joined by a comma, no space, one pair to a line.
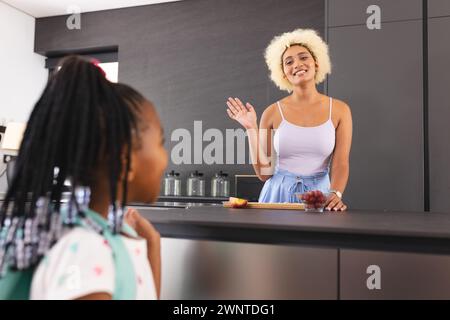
439,104
189,56
379,74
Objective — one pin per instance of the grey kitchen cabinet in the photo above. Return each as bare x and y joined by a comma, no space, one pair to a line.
378,73
204,269
439,113
352,12
438,8
400,275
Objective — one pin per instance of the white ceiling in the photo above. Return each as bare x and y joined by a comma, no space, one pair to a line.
47,8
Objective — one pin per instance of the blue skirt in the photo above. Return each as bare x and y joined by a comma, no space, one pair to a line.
283,185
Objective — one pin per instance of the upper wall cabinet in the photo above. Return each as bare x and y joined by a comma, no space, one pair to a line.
351,12
438,8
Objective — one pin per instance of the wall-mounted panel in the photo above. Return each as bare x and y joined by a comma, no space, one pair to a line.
381,79
439,113
438,8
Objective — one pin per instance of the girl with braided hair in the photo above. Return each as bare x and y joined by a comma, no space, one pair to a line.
101,138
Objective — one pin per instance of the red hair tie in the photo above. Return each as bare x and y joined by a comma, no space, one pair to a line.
96,63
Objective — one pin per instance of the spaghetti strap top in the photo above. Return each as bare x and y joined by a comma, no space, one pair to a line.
330,107
304,150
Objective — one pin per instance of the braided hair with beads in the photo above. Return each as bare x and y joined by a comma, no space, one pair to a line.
80,119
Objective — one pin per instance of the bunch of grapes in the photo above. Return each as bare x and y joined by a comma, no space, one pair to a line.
314,199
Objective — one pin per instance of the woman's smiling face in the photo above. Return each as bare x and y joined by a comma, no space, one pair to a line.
299,65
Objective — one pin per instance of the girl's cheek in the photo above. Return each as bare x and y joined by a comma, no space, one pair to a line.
166,157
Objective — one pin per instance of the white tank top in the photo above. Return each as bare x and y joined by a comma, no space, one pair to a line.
304,150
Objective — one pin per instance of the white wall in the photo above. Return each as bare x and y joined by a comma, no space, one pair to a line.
22,72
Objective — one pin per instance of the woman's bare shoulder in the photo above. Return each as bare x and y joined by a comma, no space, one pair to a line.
341,112
271,112
270,109
340,107
269,115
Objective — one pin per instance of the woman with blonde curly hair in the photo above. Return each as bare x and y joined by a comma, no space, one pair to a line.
313,132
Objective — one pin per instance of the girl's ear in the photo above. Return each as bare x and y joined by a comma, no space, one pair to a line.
132,171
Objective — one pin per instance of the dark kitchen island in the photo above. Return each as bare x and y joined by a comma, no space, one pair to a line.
213,252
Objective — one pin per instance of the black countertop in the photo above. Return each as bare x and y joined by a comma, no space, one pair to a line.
398,231
427,232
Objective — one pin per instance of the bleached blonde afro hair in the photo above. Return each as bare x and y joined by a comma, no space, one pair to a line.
307,38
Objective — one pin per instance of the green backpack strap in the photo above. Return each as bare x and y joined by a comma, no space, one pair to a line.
125,276
16,285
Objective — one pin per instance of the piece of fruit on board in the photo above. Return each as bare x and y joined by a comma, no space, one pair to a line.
238,202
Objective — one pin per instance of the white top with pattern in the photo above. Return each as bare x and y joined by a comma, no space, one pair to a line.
81,263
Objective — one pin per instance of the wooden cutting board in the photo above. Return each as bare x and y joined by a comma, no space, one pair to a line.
276,206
